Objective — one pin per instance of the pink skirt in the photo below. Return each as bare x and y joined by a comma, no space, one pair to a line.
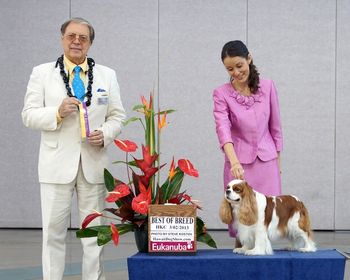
262,176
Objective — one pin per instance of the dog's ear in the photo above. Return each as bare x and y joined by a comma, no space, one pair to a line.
225,213
248,212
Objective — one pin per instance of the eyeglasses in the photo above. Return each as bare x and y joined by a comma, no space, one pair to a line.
72,36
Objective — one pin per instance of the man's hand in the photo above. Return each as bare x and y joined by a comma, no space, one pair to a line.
68,106
96,138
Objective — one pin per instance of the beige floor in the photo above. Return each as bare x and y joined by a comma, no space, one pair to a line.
20,253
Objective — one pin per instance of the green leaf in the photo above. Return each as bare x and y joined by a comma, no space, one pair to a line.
119,161
138,107
130,163
90,231
124,228
109,180
103,237
103,233
133,119
173,188
166,111
177,183
200,225
207,239
202,235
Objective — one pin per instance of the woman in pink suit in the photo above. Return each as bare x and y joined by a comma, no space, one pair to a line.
248,125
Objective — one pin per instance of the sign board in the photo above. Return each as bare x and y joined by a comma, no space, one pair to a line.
172,228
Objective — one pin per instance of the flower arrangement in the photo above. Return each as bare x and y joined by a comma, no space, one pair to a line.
134,197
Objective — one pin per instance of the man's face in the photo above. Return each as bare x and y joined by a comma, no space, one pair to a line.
76,42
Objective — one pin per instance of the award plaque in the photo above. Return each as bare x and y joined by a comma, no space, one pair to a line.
172,229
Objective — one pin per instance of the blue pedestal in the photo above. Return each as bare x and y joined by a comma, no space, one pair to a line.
223,264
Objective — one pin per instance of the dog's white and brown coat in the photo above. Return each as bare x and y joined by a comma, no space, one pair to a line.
259,219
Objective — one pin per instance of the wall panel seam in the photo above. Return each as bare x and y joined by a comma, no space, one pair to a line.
335,112
70,8
246,24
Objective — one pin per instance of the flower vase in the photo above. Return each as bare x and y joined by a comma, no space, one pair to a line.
141,238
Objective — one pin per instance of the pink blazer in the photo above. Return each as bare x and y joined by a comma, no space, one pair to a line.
251,123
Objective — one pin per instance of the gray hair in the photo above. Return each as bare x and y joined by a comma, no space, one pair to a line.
80,21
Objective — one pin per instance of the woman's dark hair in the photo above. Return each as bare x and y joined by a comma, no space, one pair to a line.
238,48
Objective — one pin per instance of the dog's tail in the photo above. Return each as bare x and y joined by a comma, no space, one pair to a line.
304,221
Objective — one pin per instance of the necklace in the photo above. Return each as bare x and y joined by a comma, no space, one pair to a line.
91,64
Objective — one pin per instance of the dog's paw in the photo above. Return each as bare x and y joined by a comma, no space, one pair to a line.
239,251
254,252
307,250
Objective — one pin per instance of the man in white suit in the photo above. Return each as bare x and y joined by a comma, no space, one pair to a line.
68,161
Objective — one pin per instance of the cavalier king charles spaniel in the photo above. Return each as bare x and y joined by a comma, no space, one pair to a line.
259,219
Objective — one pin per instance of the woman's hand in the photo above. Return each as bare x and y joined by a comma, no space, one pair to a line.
237,171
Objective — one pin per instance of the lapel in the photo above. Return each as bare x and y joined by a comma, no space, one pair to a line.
58,80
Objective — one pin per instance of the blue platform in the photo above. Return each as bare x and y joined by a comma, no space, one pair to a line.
223,264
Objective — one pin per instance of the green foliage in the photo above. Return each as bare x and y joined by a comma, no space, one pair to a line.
109,180
172,187
202,235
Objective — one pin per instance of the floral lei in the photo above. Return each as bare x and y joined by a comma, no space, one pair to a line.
91,64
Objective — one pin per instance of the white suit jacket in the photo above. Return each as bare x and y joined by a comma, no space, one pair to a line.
61,147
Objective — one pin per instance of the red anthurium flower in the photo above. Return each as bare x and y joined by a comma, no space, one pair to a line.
126,145
172,170
115,234
140,203
161,123
89,218
118,192
187,167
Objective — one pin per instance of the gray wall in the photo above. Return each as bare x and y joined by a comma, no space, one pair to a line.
174,46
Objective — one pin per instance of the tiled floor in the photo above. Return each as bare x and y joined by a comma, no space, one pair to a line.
20,253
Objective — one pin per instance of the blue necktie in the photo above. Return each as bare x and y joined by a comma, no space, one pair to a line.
78,85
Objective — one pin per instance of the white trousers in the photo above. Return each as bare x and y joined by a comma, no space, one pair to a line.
56,201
